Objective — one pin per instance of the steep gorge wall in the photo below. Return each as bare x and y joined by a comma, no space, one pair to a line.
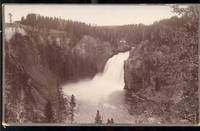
161,77
37,64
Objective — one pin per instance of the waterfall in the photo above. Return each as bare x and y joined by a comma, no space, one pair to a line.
104,92
114,70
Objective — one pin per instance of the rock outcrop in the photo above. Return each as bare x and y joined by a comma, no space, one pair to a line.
161,78
161,73
30,84
37,64
93,51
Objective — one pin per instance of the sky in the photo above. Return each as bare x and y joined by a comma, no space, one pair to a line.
94,14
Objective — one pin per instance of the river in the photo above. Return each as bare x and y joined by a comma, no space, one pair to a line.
104,93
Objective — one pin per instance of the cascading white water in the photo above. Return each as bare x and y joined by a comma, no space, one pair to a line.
104,93
114,69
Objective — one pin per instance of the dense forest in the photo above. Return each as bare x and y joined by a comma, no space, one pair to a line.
55,51
161,74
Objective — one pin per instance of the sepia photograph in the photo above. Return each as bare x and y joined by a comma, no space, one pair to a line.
100,65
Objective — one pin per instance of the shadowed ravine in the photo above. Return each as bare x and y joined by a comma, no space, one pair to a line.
104,93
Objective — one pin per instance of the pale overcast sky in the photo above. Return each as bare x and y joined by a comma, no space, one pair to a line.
95,14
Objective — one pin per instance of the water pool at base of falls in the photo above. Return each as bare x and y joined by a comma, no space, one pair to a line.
104,93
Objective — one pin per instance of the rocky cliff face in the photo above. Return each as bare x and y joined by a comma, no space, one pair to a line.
92,51
30,84
83,60
37,63
161,78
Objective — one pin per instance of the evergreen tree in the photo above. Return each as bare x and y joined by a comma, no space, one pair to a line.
72,101
108,121
72,106
10,16
31,19
22,20
98,119
111,121
48,112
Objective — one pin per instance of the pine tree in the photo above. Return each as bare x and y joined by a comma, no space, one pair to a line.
98,119
48,112
108,121
72,106
10,16
72,101
111,121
